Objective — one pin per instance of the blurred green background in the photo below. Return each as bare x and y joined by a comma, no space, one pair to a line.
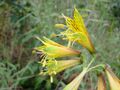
21,20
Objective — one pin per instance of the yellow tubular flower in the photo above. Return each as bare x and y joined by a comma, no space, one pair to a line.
79,32
54,50
74,85
56,66
101,83
112,78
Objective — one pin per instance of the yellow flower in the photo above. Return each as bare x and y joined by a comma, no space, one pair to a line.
113,79
54,50
77,31
74,85
101,82
55,66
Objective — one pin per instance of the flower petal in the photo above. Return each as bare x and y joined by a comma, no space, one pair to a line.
54,50
79,20
56,66
74,85
113,79
101,83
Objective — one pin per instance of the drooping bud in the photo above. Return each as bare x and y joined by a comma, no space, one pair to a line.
113,79
101,82
74,85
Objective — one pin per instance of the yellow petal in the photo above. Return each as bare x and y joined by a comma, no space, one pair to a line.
64,64
101,83
71,24
54,67
79,20
80,23
48,41
113,79
74,85
54,50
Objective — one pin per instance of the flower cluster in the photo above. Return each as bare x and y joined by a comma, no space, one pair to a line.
51,51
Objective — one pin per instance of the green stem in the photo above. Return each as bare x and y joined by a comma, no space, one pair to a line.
91,62
100,65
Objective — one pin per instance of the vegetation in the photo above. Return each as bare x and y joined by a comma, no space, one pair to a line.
22,20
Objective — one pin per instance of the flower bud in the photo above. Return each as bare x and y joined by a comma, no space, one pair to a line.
101,82
113,79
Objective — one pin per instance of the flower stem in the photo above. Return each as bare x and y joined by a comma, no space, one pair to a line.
100,65
69,44
91,62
